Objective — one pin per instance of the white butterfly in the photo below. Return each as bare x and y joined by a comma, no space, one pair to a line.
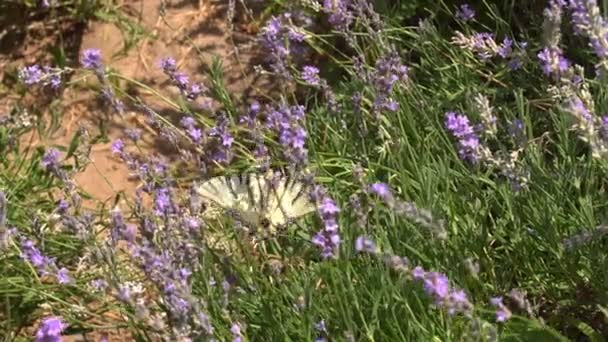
259,200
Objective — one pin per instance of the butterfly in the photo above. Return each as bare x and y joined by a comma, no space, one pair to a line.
259,200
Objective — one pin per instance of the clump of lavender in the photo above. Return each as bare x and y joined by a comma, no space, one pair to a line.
588,21
502,312
190,90
590,127
235,329
223,153
255,131
287,122
50,330
471,148
43,264
485,47
339,15
435,284
469,145
46,76
168,252
282,40
552,23
585,237
465,13
570,88
553,61
389,72
328,239
91,59
408,210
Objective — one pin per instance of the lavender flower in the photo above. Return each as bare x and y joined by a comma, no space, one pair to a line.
34,74
50,330
506,48
468,141
287,122
588,21
310,75
107,95
31,74
321,328
502,312
99,285
63,276
282,41
604,127
50,159
223,153
190,90
465,12
388,72
437,286
91,59
486,112
364,244
340,16
484,46
584,237
3,210
382,190
552,23
118,146
328,239
133,133
235,329
44,265
553,62
408,210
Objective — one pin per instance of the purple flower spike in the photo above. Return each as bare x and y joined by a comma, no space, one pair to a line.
50,330
310,75
91,59
31,75
465,13
50,160
382,190
502,312
364,244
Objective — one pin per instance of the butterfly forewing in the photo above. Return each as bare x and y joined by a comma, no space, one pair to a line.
218,191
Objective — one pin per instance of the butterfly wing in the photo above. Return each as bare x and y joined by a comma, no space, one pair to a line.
288,200
253,197
218,191
235,193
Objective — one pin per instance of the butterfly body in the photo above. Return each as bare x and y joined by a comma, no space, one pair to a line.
259,200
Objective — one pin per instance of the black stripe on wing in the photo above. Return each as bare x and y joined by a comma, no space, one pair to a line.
228,182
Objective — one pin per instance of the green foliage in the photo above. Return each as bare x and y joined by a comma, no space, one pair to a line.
281,289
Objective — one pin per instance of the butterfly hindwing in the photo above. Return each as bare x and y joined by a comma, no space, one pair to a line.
290,201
